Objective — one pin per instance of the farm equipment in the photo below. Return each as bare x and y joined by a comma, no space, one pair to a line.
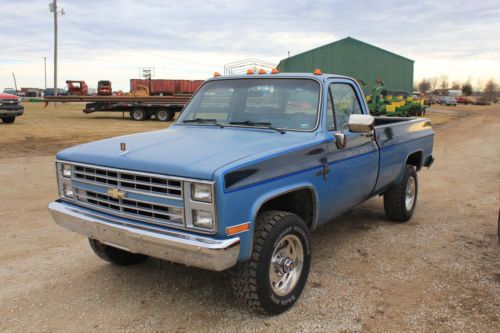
104,88
382,103
78,88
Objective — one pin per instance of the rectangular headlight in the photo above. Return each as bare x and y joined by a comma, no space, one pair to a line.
201,192
66,170
67,190
203,219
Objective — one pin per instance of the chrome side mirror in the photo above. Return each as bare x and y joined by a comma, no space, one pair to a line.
340,140
361,123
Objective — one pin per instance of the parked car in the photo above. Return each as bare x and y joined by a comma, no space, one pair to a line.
448,101
50,92
241,179
464,100
10,108
11,91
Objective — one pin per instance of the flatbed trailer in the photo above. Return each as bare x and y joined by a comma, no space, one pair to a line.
163,108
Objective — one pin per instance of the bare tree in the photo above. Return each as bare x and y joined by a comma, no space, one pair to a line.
490,91
424,86
433,81
455,85
444,81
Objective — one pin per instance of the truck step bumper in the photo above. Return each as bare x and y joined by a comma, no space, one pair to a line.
175,246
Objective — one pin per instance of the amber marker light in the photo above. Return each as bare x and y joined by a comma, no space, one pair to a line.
317,71
261,71
216,74
238,229
250,72
274,71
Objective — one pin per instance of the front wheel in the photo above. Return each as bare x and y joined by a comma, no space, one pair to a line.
272,280
400,200
9,120
115,255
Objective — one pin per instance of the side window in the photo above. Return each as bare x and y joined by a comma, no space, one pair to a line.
345,103
330,118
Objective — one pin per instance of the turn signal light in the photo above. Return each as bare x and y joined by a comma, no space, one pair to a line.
317,71
216,74
261,71
238,228
250,72
274,71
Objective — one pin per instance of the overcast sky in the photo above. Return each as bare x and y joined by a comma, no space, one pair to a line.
191,39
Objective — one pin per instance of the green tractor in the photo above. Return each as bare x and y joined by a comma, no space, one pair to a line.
383,103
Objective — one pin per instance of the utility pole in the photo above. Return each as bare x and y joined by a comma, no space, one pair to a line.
45,71
15,82
53,9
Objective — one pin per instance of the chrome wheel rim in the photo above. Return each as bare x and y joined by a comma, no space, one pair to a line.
410,193
286,265
162,115
138,114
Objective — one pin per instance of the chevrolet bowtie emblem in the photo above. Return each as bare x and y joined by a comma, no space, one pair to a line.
116,193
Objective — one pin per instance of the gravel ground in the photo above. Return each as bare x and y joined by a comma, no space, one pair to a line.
440,272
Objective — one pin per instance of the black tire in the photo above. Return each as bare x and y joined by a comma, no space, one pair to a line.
251,279
139,114
114,255
395,203
164,115
9,119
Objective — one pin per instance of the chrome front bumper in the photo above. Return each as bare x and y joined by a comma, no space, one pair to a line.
175,246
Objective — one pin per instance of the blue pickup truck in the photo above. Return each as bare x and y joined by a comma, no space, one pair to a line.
251,166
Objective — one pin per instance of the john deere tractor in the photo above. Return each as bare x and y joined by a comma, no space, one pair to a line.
382,102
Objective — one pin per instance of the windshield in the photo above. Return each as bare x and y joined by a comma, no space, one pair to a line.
290,104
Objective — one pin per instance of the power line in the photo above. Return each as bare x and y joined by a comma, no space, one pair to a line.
135,48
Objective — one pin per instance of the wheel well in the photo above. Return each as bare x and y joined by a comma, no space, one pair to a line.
415,159
300,202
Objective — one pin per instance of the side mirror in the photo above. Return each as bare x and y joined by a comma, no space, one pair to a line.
361,123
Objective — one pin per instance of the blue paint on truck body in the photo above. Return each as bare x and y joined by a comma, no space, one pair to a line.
252,165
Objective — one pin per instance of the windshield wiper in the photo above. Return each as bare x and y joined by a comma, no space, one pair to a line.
204,121
256,123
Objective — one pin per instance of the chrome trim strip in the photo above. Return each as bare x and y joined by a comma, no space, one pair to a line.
179,247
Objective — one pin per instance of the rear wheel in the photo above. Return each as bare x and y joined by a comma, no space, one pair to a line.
164,115
272,280
115,255
138,114
400,200
9,120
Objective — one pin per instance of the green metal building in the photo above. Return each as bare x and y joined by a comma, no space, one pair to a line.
357,59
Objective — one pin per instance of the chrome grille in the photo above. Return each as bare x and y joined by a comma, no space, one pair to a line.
135,209
129,181
9,101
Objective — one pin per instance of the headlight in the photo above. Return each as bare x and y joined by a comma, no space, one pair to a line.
201,192
67,190
66,170
202,219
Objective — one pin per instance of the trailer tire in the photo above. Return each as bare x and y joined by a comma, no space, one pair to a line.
272,280
138,114
9,119
115,255
400,200
164,115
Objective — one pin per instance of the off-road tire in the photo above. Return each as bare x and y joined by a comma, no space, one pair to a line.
394,198
164,115
9,119
139,114
250,279
114,255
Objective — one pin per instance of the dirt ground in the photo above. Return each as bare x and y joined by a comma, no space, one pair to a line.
440,272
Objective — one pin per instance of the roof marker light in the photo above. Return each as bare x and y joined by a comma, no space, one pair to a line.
317,71
262,71
250,72
274,71
216,74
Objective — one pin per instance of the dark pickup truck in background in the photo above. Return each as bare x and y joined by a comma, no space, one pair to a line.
10,108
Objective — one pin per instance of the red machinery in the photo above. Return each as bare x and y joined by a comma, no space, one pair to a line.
79,88
104,88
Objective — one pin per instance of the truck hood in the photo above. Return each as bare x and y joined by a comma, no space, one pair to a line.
184,151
